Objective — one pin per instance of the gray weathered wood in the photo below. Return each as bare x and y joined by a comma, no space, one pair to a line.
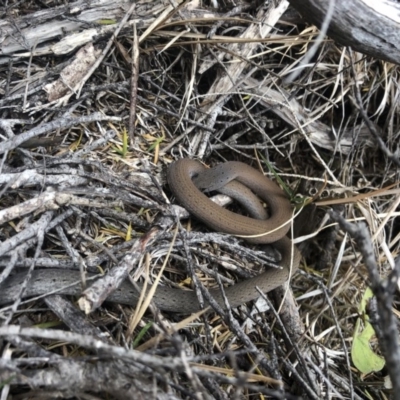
369,26
63,29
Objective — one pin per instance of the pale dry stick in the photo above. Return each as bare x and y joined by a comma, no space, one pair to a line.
138,313
339,382
389,214
172,144
321,375
338,263
342,339
43,221
31,177
224,85
28,75
173,40
150,294
195,124
2,162
246,375
27,241
94,344
6,358
217,107
93,377
174,328
311,52
23,236
317,132
61,123
371,127
133,357
74,319
300,127
94,296
288,294
73,253
134,86
80,85
385,216
201,38
397,237
106,137
10,265
50,201
237,10
77,89
379,239
170,8
293,331
189,88
198,386
307,178
361,196
45,201
204,16
340,98
65,285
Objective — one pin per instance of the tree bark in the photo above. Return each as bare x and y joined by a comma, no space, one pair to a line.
369,26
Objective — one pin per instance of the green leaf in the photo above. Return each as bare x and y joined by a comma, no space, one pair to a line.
277,177
299,201
157,142
364,358
141,334
124,150
107,21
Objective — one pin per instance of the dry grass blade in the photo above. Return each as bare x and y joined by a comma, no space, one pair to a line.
354,199
146,296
